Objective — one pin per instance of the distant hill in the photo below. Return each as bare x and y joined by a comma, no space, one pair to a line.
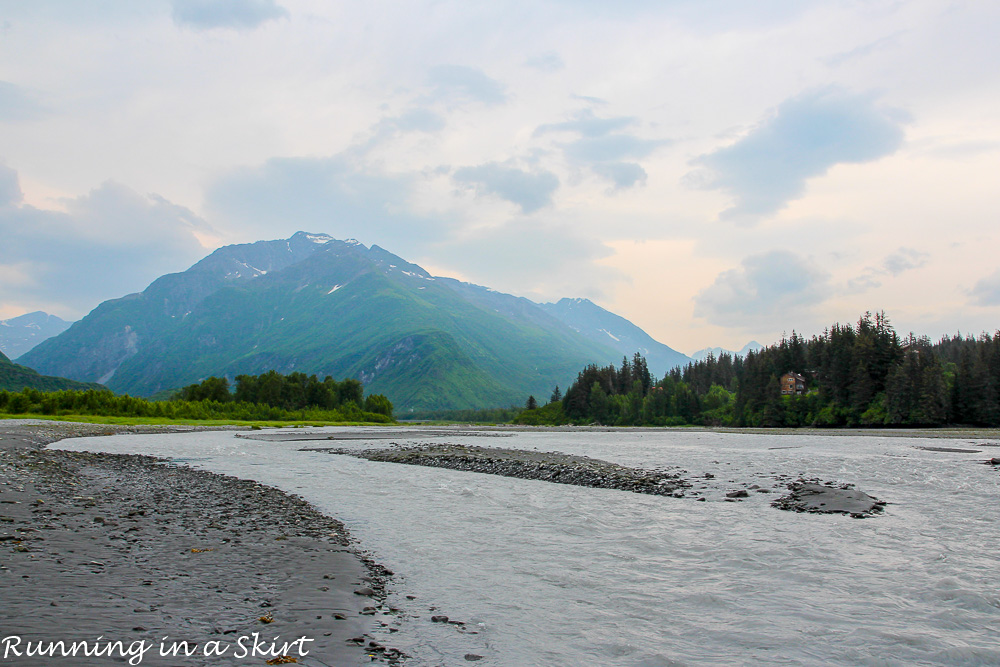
14,377
315,304
716,351
20,334
604,327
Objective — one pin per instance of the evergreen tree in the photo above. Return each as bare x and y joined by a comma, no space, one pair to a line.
600,406
210,389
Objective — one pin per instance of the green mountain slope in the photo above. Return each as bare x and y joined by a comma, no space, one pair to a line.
93,348
15,377
328,307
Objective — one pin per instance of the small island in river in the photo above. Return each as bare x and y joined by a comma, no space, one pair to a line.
812,496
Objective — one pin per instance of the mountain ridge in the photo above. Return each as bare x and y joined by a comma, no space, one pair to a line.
701,355
19,334
598,324
319,305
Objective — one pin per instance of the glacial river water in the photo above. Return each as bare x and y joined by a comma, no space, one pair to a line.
550,574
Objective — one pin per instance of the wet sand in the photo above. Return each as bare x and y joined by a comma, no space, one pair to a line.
127,548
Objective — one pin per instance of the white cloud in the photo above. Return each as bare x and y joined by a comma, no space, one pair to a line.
624,175
525,258
900,261
461,84
546,62
338,195
108,243
587,124
529,190
905,259
19,104
238,14
10,187
602,146
772,286
804,138
987,290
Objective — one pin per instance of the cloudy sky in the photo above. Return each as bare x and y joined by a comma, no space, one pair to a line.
714,170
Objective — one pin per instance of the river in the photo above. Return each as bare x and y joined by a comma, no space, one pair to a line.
551,574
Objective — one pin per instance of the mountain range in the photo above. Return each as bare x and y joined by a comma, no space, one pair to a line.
319,305
20,334
752,346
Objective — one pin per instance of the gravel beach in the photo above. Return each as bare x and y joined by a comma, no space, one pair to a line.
129,556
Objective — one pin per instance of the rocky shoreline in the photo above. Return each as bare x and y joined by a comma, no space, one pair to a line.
129,548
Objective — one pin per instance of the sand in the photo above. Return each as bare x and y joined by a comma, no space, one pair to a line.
129,549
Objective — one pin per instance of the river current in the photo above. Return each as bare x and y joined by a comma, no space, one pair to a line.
551,574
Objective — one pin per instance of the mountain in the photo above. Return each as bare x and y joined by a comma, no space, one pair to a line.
318,305
700,355
14,377
93,348
20,334
605,328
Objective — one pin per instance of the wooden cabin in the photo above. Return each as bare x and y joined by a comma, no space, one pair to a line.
793,384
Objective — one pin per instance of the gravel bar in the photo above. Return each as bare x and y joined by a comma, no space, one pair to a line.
545,466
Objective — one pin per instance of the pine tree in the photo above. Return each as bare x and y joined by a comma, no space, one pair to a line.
600,405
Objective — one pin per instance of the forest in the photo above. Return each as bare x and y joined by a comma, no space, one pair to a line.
850,376
268,397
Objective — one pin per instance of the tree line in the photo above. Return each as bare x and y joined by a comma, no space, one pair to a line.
295,391
854,375
267,397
